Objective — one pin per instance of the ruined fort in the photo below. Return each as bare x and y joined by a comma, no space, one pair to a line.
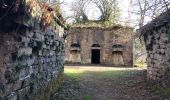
35,43
95,45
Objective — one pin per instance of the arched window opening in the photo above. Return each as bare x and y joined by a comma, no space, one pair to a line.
75,56
117,54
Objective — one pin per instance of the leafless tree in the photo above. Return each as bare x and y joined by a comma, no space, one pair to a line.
79,7
166,4
108,9
146,9
142,4
149,9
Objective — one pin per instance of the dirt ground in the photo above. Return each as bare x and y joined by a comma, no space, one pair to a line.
105,83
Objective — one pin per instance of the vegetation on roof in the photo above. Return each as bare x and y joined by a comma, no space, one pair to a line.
97,24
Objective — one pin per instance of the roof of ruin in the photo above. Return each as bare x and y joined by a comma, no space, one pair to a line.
97,24
157,23
114,27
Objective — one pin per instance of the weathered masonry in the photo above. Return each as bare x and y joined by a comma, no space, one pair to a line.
94,45
157,39
31,50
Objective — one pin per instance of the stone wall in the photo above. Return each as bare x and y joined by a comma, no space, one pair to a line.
106,38
29,61
157,40
31,57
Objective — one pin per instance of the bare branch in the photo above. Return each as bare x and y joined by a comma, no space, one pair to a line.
79,7
108,9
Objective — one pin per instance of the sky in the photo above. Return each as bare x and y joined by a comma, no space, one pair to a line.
93,13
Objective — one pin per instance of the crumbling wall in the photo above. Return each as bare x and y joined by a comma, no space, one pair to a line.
158,59
157,39
29,62
31,56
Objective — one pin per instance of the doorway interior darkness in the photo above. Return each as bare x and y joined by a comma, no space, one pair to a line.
95,58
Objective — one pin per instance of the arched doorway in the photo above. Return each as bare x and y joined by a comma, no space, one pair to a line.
95,54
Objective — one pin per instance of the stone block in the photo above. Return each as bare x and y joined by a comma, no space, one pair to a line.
55,74
17,85
25,73
29,33
26,61
40,53
52,53
39,36
12,96
25,39
23,93
24,51
53,59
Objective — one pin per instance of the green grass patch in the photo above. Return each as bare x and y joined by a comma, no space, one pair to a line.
78,74
71,73
113,74
73,76
110,74
86,97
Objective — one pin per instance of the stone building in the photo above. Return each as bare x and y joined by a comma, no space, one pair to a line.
157,39
31,50
94,45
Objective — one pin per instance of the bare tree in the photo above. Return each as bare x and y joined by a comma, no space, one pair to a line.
166,3
146,10
79,7
149,9
142,9
108,8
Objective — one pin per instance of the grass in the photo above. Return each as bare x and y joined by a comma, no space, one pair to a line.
77,74
71,73
77,93
110,73
115,74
